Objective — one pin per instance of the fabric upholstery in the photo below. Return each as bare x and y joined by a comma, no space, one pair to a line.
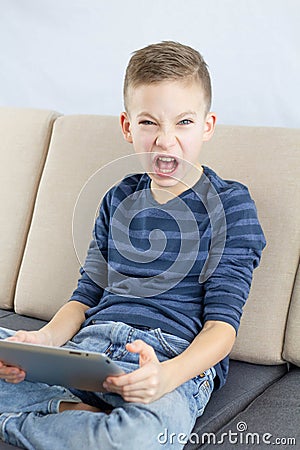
245,382
4,313
291,350
4,446
274,414
13,321
80,145
25,136
268,162
87,154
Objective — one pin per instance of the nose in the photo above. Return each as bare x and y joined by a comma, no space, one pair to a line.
165,140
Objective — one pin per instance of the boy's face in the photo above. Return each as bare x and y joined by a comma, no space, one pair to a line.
168,122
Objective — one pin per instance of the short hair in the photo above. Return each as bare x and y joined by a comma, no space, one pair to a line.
167,60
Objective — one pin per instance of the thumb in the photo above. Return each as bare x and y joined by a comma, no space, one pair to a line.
145,351
19,336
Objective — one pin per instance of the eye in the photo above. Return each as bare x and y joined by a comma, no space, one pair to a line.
146,122
185,122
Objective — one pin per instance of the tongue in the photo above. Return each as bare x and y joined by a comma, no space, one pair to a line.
165,165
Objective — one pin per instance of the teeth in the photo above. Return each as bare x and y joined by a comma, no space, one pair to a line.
166,159
166,170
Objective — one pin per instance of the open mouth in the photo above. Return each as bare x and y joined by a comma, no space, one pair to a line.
165,165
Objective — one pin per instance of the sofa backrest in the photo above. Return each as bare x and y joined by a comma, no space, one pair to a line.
265,159
291,350
24,142
79,146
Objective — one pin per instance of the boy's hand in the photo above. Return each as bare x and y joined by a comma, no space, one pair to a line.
144,385
11,374
32,337
14,374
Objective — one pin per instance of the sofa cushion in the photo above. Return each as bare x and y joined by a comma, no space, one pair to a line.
4,446
245,382
25,136
291,351
4,313
80,145
273,415
267,160
13,321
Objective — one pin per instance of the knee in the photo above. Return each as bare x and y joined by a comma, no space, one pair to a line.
133,427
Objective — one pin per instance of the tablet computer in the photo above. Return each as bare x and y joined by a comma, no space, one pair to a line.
59,365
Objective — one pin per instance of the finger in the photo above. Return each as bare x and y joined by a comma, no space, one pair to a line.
140,398
19,336
14,380
138,388
9,370
139,375
12,377
120,381
125,388
139,346
146,352
141,394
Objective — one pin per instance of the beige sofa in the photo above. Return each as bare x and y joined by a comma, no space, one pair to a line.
51,163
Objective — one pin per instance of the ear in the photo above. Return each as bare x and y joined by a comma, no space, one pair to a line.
125,125
209,126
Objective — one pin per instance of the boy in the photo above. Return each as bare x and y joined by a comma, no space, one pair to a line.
166,306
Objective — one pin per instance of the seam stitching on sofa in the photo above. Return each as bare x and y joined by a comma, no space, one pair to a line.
297,273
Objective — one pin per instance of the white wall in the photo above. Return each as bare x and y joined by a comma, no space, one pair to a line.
70,55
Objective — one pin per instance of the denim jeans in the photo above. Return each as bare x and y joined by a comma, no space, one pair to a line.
29,416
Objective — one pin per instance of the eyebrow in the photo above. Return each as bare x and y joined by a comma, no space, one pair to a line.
186,113
145,113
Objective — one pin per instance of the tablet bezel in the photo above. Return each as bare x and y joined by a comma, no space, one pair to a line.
61,366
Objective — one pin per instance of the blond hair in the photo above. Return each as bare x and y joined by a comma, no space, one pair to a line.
167,60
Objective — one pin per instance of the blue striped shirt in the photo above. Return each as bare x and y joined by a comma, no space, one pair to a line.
174,265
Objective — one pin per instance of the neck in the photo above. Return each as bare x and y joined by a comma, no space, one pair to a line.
164,194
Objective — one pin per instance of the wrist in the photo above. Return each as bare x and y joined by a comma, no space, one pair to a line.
46,337
172,374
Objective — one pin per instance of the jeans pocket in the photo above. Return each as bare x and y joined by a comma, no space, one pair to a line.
171,344
203,387
90,338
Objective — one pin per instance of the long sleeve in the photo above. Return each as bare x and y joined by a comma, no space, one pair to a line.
93,279
227,289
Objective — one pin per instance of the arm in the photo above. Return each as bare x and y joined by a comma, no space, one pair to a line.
68,320
154,379
60,329
226,291
212,344
65,324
